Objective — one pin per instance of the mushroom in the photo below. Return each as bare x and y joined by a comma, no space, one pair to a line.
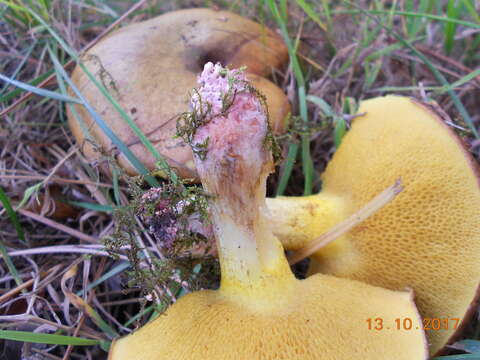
149,67
261,311
427,239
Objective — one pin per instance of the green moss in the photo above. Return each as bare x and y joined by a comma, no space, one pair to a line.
163,274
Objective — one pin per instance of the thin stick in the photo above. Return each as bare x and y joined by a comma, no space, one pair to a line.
338,230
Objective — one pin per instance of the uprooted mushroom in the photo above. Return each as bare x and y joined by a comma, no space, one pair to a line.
424,239
261,311
149,67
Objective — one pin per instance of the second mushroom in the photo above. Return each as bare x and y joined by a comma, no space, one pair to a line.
427,239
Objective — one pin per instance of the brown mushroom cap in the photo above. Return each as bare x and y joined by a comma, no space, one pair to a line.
150,67
428,238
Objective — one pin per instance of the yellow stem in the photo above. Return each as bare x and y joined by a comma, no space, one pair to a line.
338,230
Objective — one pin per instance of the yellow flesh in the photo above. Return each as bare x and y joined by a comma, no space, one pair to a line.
428,238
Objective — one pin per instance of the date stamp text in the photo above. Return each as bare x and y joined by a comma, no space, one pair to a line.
406,323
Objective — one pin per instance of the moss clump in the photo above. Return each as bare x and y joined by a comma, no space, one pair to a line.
156,230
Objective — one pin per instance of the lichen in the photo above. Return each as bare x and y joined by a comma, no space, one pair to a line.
105,77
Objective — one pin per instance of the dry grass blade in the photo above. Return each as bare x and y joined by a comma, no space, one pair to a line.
27,284
69,65
56,179
75,233
81,304
67,249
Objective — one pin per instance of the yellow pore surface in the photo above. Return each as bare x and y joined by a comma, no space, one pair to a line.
428,238
321,318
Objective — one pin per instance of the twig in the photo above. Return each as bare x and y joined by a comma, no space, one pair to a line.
338,230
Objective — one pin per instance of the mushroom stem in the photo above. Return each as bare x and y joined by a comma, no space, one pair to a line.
261,311
377,203
233,171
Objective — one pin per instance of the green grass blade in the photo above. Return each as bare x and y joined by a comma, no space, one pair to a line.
105,128
340,127
39,91
322,104
408,88
51,339
328,13
139,315
410,22
414,14
470,6
307,162
438,75
472,75
11,267
387,50
459,357
287,169
63,89
93,206
414,24
339,130
12,214
18,228
105,345
102,324
116,270
27,10
20,66
17,91
453,11
28,193
116,185
311,13
284,10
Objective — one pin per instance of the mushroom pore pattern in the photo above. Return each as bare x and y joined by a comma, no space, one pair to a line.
260,310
